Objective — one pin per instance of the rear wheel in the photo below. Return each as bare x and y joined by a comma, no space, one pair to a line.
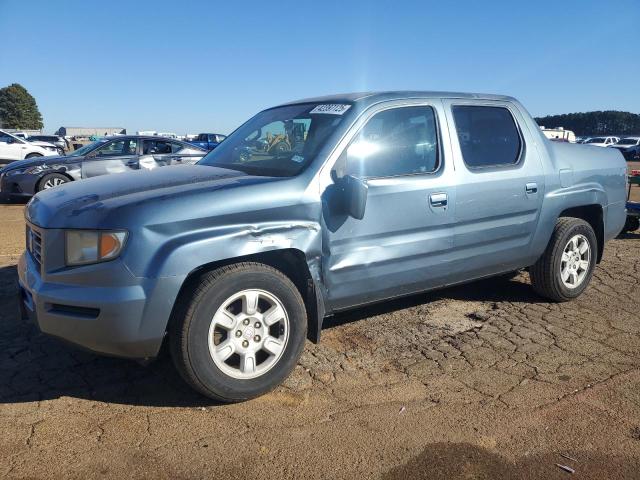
240,333
52,180
566,267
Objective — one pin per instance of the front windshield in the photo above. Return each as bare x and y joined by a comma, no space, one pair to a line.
86,149
280,142
628,141
596,140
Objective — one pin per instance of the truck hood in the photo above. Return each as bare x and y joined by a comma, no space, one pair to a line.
109,200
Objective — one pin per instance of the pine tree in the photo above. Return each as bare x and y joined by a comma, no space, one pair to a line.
18,109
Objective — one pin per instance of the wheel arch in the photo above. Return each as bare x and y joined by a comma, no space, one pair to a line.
592,214
292,263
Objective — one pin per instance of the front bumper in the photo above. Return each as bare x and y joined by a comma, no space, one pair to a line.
112,313
18,185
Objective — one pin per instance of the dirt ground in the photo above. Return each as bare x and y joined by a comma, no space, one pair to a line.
484,381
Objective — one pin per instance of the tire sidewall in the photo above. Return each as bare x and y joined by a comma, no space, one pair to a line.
199,357
581,228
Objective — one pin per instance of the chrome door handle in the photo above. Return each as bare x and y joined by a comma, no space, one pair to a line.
531,188
438,199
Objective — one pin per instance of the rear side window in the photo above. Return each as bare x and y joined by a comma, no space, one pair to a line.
398,141
488,136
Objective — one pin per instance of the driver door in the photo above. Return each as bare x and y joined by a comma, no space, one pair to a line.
404,242
117,156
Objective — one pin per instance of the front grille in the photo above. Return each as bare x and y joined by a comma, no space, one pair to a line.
34,245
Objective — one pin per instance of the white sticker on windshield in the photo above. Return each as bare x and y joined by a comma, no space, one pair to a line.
298,158
331,109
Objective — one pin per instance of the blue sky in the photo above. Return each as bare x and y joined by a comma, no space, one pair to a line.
195,66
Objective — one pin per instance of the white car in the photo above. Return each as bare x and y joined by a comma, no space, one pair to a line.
602,141
14,148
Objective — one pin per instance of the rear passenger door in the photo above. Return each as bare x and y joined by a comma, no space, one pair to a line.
406,236
160,153
500,186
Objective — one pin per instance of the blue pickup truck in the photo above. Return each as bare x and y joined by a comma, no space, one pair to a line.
208,141
238,259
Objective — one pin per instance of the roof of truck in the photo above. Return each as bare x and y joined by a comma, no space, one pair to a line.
375,97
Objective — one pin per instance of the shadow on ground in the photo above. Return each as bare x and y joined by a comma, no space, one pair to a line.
7,200
36,367
453,461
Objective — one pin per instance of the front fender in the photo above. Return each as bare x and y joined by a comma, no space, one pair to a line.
180,254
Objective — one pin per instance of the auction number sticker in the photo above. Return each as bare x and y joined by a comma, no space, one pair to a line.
331,109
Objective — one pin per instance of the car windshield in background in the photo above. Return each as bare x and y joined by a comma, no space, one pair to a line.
628,141
279,142
87,148
596,140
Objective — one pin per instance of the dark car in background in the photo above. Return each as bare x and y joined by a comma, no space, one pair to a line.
106,156
208,141
632,154
56,140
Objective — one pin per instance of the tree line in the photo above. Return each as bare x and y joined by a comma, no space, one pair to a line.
609,122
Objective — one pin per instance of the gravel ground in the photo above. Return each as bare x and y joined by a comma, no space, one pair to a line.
481,381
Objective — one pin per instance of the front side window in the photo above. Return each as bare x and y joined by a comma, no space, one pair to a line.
488,136
398,141
118,148
279,142
596,140
87,148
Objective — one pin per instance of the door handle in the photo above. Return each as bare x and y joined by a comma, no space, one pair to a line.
531,188
438,199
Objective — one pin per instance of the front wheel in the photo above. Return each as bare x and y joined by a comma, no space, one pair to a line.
240,333
566,267
52,180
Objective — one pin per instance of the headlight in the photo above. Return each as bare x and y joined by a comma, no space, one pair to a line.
30,170
34,169
85,246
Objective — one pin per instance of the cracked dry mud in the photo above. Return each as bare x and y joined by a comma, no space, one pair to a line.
485,380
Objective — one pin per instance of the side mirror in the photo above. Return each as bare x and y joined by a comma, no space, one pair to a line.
354,196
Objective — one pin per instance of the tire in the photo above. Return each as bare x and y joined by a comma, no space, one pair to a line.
33,155
52,180
631,224
547,273
193,332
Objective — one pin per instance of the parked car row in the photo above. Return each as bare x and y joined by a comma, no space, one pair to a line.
105,156
628,146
